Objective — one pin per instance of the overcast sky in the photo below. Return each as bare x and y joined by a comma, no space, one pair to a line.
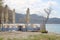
36,6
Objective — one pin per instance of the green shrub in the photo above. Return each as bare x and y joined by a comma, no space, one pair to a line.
44,31
1,38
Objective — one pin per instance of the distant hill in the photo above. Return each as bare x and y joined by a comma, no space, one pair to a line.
20,18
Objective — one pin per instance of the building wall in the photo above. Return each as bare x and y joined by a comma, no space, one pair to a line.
7,15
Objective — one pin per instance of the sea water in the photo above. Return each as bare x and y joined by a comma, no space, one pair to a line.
53,28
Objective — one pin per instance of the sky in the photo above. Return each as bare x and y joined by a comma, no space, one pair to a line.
35,6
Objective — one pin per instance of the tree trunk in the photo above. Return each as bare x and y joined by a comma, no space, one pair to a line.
42,27
0,27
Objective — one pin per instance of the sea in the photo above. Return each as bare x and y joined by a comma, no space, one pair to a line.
53,28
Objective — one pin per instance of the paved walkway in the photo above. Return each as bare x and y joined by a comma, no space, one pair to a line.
17,34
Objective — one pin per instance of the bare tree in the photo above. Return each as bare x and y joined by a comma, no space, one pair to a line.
48,12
